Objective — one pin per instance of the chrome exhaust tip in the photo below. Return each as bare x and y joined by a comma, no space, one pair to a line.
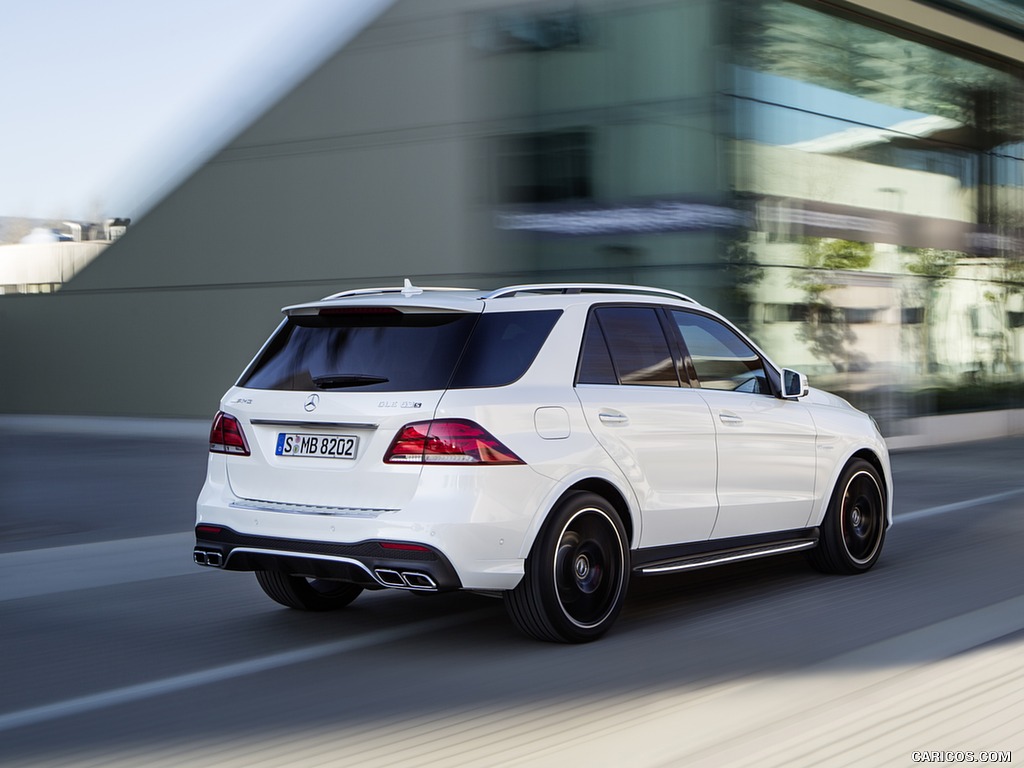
208,557
418,580
389,578
405,579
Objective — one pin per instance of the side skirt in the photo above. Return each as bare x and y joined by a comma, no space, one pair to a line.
704,554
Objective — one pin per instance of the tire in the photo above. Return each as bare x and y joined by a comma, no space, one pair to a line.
576,576
853,530
307,594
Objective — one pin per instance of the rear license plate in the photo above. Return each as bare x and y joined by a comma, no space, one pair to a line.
319,446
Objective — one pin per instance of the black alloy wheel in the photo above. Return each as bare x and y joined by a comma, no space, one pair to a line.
853,530
576,575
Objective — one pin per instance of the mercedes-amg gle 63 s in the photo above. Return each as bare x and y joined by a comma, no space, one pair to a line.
545,443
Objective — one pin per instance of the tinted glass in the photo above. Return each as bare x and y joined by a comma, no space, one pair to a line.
363,352
502,347
721,358
639,349
595,361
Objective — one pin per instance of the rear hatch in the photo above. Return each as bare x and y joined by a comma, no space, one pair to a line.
324,399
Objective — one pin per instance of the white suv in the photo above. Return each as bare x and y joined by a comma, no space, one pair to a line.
543,442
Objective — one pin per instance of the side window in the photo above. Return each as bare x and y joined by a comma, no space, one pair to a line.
636,345
721,359
502,346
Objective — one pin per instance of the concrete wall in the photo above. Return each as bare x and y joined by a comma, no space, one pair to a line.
357,177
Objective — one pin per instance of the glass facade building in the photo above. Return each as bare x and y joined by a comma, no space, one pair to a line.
886,179
851,193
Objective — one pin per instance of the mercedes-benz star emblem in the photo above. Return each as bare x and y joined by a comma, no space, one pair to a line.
312,402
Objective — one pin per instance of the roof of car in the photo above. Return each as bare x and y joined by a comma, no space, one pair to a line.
471,300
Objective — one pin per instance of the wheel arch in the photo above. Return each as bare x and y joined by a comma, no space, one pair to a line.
876,460
611,494
604,488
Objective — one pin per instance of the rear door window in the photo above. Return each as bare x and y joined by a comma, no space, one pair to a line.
626,345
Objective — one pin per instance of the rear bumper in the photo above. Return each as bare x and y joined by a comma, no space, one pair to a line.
367,563
475,522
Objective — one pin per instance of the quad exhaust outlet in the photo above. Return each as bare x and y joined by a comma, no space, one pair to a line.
404,579
208,557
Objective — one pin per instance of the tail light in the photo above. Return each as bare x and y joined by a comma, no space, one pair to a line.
447,441
226,436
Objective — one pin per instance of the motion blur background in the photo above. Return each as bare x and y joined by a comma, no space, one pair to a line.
844,179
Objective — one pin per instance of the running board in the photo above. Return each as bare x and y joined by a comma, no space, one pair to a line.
722,556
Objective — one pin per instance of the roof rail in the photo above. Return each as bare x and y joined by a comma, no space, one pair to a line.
567,288
408,289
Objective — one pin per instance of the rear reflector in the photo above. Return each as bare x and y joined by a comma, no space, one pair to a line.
208,529
448,441
226,436
403,547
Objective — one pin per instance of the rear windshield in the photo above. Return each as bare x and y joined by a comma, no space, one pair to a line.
398,352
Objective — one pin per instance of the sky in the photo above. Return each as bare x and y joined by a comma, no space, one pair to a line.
106,105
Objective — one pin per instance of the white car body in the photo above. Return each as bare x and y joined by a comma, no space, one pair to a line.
695,473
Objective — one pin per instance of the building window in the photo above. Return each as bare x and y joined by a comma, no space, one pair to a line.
912,315
859,315
785,313
545,167
512,30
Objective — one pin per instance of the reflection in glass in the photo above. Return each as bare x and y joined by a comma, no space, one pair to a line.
887,179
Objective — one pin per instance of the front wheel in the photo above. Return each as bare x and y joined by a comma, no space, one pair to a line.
307,594
576,575
853,530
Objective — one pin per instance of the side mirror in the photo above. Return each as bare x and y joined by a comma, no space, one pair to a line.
793,384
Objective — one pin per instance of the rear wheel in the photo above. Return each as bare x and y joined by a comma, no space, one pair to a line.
853,530
576,576
307,594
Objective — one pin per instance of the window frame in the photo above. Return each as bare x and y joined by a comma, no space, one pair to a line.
686,372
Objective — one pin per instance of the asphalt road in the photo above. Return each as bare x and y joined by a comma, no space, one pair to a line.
115,650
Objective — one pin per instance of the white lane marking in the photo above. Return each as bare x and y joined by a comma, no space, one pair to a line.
37,572
131,693
921,514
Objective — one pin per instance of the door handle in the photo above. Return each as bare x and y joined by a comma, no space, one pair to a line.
729,418
613,417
